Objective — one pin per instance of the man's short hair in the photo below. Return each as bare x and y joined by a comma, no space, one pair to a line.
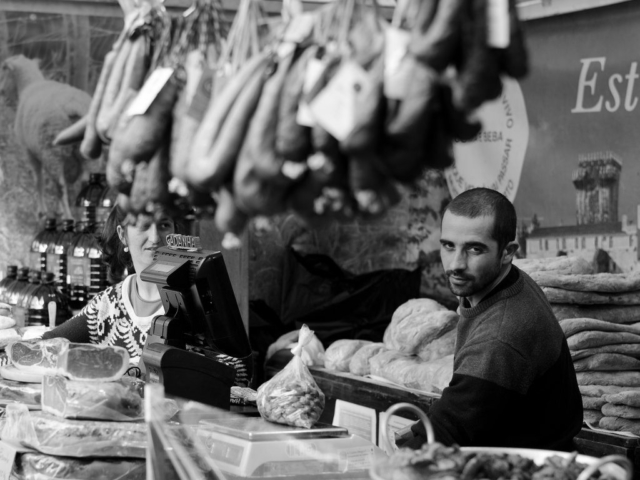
480,202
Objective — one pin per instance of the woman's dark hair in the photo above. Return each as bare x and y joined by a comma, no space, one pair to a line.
113,253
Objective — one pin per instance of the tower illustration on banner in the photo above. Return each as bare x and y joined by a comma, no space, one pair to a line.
598,236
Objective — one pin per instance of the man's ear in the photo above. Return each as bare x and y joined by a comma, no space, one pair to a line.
509,252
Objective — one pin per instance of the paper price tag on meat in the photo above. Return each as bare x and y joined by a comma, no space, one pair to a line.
315,67
150,91
498,31
334,108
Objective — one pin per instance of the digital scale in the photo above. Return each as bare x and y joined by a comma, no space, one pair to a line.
254,448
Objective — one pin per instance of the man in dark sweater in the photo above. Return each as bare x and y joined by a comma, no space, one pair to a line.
513,382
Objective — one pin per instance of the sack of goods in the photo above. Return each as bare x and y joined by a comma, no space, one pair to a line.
417,351
292,397
599,314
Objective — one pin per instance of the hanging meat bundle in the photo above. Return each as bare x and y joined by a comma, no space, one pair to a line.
322,114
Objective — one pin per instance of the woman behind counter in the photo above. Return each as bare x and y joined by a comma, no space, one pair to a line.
121,315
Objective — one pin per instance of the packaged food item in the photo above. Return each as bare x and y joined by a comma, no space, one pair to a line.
74,438
81,361
313,354
120,400
292,397
18,392
359,363
39,357
36,466
412,372
340,352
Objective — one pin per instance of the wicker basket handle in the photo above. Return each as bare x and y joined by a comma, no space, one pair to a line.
413,409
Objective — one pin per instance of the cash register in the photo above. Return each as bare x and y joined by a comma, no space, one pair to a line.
201,324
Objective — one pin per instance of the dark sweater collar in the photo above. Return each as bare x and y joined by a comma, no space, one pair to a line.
511,285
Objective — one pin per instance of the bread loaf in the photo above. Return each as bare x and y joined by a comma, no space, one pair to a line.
575,325
607,313
626,397
359,363
599,282
558,295
416,324
629,349
411,372
607,362
340,352
593,403
620,425
440,347
621,379
592,416
558,265
600,390
594,339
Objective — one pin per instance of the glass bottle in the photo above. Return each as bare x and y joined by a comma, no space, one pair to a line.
15,289
39,245
87,275
21,310
90,194
12,273
57,256
38,304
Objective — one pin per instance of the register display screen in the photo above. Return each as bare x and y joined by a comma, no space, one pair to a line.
161,267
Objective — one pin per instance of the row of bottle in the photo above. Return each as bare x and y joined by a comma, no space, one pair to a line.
29,293
74,257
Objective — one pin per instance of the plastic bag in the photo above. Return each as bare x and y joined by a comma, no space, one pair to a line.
74,438
35,466
412,372
118,401
359,363
18,392
292,396
340,352
39,357
82,361
312,355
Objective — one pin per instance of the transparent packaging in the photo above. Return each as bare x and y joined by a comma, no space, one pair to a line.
292,396
86,362
21,309
19,392
74,438
119,401
38,357
36,466
40,244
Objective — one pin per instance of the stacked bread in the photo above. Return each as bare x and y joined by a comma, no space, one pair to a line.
600,316
416,352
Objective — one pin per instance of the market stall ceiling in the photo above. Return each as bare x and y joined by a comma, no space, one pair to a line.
529,9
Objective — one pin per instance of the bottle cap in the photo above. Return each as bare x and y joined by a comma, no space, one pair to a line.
50,224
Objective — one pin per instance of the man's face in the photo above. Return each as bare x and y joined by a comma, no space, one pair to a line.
470,256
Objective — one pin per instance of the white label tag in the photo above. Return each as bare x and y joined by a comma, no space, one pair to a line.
150,91
334,108
300,28
7,458
395,48
498,31
315,67
360,421
397,70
